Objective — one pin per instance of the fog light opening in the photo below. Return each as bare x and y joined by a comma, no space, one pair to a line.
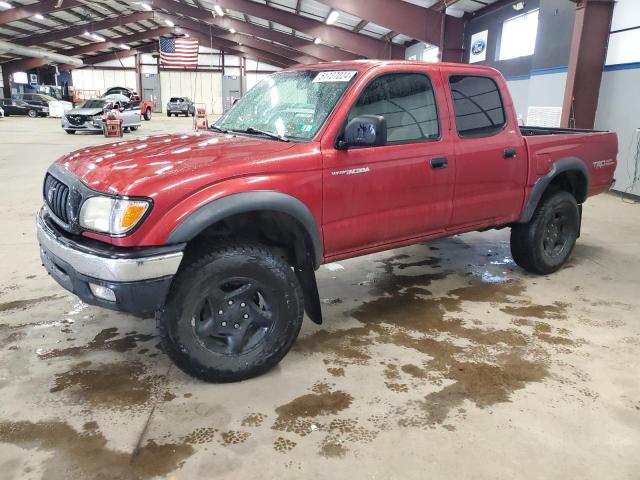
104,293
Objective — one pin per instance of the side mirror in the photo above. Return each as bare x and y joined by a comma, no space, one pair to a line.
364,131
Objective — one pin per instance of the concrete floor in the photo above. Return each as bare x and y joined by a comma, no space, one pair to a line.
435,361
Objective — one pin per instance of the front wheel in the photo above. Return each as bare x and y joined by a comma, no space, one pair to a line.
70,132
32,114
233,313
147,114
544,244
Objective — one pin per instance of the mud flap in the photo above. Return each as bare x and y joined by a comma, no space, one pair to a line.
307,278
579,219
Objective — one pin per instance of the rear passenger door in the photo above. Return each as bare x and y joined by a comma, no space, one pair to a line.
491,160
380,195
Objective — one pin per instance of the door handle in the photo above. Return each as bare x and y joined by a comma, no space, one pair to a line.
439,162
509,153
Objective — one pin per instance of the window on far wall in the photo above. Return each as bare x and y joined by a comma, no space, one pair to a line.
519,36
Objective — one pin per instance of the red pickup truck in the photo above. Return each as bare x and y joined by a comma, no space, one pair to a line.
219,233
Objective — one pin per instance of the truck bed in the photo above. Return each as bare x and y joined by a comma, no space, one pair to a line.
597,150
528,131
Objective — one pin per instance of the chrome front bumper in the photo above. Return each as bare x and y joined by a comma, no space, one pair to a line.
109,268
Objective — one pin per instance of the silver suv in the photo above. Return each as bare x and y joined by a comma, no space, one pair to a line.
180,106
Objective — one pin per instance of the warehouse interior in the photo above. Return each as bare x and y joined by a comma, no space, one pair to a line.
440,359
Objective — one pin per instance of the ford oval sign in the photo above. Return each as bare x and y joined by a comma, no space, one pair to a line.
478,47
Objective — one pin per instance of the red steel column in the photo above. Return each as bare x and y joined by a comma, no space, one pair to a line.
588,52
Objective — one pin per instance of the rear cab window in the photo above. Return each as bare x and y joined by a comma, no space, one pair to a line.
478,106
406,101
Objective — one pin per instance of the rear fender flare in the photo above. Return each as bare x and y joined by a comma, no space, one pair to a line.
567,164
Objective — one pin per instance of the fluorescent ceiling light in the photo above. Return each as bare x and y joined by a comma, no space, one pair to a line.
232,30
186,35
124,47
5,5
333,16
518,6
97,37
317,41
145,6
169,22
218,10
38,16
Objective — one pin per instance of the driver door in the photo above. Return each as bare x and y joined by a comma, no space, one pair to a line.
387,194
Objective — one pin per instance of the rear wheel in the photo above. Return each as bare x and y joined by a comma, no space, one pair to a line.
32,114
70,132
168,114
232,313
147,114
544,244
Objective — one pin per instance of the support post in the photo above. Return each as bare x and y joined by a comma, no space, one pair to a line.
6,81
591,29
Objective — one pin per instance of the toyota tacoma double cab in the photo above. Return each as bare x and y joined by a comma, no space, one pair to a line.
219,233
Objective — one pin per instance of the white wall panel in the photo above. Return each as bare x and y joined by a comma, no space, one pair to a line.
626,14
201,87
623,47
91,79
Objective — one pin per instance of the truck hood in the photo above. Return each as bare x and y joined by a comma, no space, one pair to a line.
147,165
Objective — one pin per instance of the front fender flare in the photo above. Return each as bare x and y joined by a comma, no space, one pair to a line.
245,202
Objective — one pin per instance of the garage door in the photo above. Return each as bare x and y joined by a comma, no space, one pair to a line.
201,87
100,80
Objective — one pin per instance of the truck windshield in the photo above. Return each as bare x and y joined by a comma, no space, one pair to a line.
292,105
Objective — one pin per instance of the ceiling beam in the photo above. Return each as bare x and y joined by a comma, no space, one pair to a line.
354,42
240,50
116,42
411,20
60,34
236,39
42,7
321,52
90,61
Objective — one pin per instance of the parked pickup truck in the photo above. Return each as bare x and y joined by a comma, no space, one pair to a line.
219,233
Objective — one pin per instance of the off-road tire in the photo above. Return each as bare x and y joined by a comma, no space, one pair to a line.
528,240
177,320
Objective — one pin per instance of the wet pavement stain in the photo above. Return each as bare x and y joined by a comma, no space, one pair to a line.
557,311
105,340
201,435
253,420
484,384
465,360
27,303
283,445
298,415
85,455
234,437
120,386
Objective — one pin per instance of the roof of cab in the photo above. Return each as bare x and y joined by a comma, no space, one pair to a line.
367,64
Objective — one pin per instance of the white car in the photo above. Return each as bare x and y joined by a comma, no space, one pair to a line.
1,113
56,107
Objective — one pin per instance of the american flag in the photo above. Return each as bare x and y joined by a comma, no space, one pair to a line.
178,52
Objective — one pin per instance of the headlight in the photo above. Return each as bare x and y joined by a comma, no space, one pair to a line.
114,216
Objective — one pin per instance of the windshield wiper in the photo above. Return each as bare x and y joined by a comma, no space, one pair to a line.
275,136
215,127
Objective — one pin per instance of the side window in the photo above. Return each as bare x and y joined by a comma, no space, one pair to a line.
27,97
406,101
477,104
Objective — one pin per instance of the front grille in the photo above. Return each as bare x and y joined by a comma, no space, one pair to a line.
76,119
56,195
